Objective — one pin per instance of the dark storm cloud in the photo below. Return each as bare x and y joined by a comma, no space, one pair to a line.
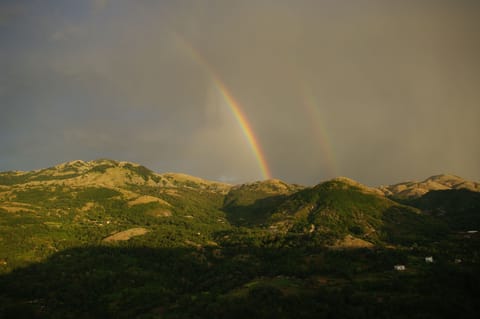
395,86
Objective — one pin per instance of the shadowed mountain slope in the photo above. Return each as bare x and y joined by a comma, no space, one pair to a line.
460,208
252,203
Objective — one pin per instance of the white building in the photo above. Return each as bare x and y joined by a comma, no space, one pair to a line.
399,267
429,259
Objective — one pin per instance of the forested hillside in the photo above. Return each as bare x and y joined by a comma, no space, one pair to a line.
109,239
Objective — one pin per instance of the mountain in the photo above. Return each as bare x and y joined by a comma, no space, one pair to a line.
93,200
105,173
438,182
112,239
79,203
342,208
80,186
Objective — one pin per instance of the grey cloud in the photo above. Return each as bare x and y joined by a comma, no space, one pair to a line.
396,86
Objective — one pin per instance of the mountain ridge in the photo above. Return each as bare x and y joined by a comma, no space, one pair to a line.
415,189
337,206
400,189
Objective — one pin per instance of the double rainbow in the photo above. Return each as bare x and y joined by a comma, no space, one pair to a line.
233,105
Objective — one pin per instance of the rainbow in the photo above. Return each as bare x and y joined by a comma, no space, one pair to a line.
233,105
311,105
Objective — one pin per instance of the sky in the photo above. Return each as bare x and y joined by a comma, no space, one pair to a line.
236,91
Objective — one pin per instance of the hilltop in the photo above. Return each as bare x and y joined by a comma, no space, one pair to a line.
103,172
433,183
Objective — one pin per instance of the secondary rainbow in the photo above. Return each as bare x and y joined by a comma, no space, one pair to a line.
310,102
233,105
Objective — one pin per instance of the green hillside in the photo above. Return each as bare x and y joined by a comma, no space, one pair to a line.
334,209
111,239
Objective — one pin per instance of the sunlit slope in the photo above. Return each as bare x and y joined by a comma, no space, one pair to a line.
414,189
81,203
104,172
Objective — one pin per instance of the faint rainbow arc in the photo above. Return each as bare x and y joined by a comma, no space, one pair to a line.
310,102
233,105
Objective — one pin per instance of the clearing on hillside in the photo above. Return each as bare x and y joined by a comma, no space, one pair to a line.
126,234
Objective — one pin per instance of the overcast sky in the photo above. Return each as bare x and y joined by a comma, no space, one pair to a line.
379,91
